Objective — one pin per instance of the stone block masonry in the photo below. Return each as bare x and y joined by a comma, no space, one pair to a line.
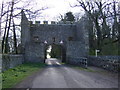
10,61
111,63
76,53
35,37
34,52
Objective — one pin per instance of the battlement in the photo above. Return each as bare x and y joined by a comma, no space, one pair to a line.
50,22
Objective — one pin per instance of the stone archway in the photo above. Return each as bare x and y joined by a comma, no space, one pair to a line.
57,51
74,36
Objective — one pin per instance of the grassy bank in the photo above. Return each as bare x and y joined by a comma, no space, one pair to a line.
81,68
13,76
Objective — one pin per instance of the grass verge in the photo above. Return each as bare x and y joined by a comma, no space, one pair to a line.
81,68
0,81
102,71
13,76
85,69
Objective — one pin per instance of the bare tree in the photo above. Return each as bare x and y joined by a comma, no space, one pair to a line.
9,25
10,15
101,12
3,41
77,17
1,17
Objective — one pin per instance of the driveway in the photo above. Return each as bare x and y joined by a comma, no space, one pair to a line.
56,75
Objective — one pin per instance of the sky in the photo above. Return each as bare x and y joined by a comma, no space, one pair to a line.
57,7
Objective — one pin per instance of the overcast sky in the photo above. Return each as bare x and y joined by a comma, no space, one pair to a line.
57,7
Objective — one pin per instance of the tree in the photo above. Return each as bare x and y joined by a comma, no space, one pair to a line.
101,13
10,13
67,17
78,16
9,24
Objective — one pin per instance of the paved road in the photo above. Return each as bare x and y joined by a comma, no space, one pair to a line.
56,75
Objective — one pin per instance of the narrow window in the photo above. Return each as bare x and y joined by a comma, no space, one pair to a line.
35,38
53,39
70,38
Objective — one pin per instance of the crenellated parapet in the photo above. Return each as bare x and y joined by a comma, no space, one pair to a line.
50,22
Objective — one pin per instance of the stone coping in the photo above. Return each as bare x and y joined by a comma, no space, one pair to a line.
11,54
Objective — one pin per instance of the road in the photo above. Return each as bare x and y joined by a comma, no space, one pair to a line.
56,75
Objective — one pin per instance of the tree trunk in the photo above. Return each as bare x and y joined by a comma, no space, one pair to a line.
6,40
98,34
1,17
3,41
14,38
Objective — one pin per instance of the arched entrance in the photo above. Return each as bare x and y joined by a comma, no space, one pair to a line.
55,51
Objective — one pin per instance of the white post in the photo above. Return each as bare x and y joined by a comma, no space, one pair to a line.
61,42
96,51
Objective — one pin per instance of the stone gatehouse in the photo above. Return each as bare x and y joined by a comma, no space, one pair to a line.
35,37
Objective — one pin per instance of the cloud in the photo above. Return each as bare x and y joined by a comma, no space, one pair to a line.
57,7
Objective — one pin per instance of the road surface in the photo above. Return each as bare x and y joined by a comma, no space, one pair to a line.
56,75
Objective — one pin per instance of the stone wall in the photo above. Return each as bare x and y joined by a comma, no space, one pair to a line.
111,63
76,49
82,33
34,52
52,33
81,61
10,61
25,30
76,53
